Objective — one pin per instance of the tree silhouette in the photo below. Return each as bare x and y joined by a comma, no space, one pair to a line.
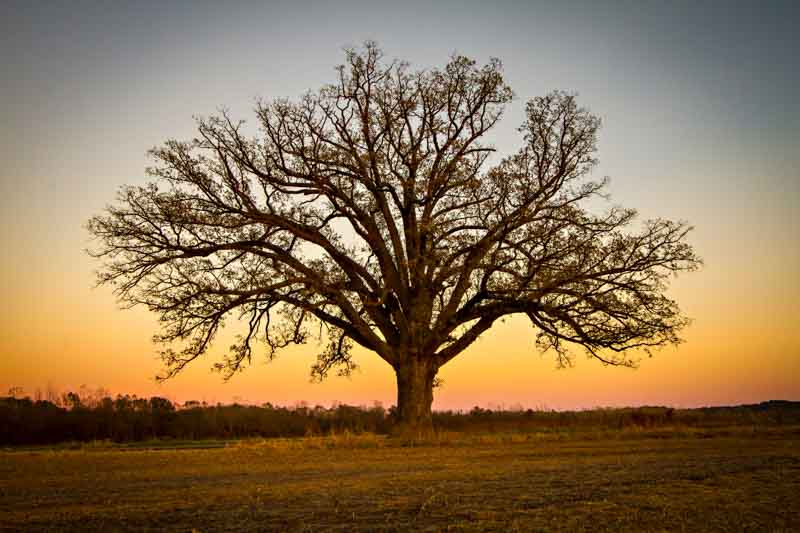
369,212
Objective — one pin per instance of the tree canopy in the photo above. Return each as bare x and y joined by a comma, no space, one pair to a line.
372,212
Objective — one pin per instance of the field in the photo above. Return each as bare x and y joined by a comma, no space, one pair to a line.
738,481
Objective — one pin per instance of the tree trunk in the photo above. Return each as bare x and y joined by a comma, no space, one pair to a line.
414,397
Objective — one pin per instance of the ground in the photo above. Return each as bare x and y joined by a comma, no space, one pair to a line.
636,482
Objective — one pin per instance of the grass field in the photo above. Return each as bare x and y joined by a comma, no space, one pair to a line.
740,481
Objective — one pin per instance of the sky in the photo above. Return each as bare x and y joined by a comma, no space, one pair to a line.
701,122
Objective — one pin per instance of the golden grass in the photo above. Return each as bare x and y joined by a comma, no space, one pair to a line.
732,480
346,439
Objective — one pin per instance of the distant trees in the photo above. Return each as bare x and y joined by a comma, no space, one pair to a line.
128,418
24,421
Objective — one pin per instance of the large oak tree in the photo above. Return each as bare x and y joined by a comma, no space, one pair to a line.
370,213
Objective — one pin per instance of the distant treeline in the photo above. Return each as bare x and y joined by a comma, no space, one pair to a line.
24,421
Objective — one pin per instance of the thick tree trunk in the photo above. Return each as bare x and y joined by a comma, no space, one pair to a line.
414,397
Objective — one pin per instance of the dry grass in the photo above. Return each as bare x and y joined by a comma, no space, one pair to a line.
727,481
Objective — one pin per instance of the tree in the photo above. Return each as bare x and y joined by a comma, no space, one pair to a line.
370,211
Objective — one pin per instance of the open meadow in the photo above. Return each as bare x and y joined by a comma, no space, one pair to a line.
737,480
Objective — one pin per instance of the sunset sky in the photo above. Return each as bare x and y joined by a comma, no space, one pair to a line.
700,104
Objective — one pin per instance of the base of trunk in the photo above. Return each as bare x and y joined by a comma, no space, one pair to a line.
414,399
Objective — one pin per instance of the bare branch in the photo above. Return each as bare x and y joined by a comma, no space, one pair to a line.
368,209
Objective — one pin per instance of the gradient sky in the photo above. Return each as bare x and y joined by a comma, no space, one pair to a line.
701,123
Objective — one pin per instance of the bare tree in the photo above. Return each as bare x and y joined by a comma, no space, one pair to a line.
367,213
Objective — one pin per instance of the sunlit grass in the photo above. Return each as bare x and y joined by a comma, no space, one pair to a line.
348,439
635,479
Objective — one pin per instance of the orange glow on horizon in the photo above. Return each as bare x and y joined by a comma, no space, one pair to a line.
727,358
